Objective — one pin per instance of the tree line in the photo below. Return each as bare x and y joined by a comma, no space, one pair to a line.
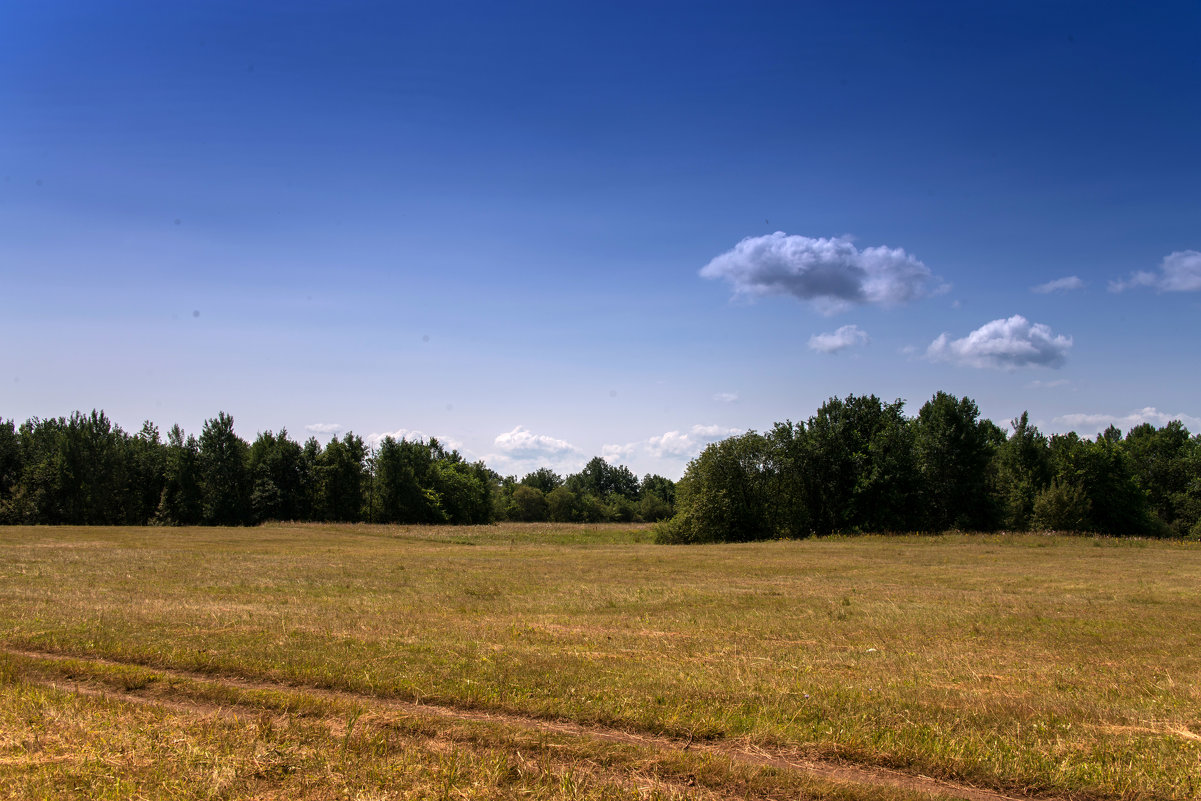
861,465
85,470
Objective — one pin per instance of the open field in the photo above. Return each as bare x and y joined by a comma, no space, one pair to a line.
549,661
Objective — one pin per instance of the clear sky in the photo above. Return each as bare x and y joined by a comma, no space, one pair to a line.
548,231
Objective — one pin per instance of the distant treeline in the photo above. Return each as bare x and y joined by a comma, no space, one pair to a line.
861,465
85,470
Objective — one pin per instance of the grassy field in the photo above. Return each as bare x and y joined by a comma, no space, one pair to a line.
1064,667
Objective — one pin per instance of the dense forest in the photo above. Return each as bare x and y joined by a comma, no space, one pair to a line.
857,465
861,465
86,470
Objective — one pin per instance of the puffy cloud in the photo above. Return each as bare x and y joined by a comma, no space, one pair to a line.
1088,424
845,337
1005,344
1179,272
1059,285
522,444
678,445
726,397
831,273
323,428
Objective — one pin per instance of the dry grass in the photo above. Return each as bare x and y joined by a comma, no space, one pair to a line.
1024,663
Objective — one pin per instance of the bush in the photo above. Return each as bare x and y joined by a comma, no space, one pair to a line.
1062,507
527,504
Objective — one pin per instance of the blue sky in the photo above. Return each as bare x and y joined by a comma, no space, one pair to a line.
547,231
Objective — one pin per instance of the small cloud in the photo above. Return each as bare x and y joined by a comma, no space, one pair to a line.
726,397
1059,285
323,428
1179,272
615,454
522,444
1087,424
847,336
831,273
1004,344
678,445
411,435
1059,382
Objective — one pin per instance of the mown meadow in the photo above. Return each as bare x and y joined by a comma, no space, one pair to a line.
1027,664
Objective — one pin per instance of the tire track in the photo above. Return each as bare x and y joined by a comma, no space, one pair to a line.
863,776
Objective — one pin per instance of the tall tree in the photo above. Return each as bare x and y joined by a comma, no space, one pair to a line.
953,450
722,497
10,470
145,470
181,502
225,480
1159,461
543,479
853,461
341,478
1023,471
276,465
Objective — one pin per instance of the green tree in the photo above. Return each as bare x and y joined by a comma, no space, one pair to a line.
181,502
543,479
224,478
853,464
341,475
1159,462
722,496
953,450
276,465
145,468
10,470
1023,471
528,504
562,505
1062,507
601,479
1101,471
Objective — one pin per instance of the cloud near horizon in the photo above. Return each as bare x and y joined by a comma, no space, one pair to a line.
847,336
670,445
1088,424
831,273
1004,344
413,435
1059,285
323,428
521,444
1179,272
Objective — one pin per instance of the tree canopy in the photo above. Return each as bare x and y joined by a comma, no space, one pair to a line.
859,464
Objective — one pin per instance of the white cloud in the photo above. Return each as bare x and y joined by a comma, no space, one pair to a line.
832,273
1059,285
1088,424
1179,272
615,454
323,428
726,397
671,445
845,337
1005,344
521,444
399,434
1059,382
411,435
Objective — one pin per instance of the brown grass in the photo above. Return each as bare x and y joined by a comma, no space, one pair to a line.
1053,665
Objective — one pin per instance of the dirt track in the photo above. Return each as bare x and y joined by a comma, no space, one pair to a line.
860,775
